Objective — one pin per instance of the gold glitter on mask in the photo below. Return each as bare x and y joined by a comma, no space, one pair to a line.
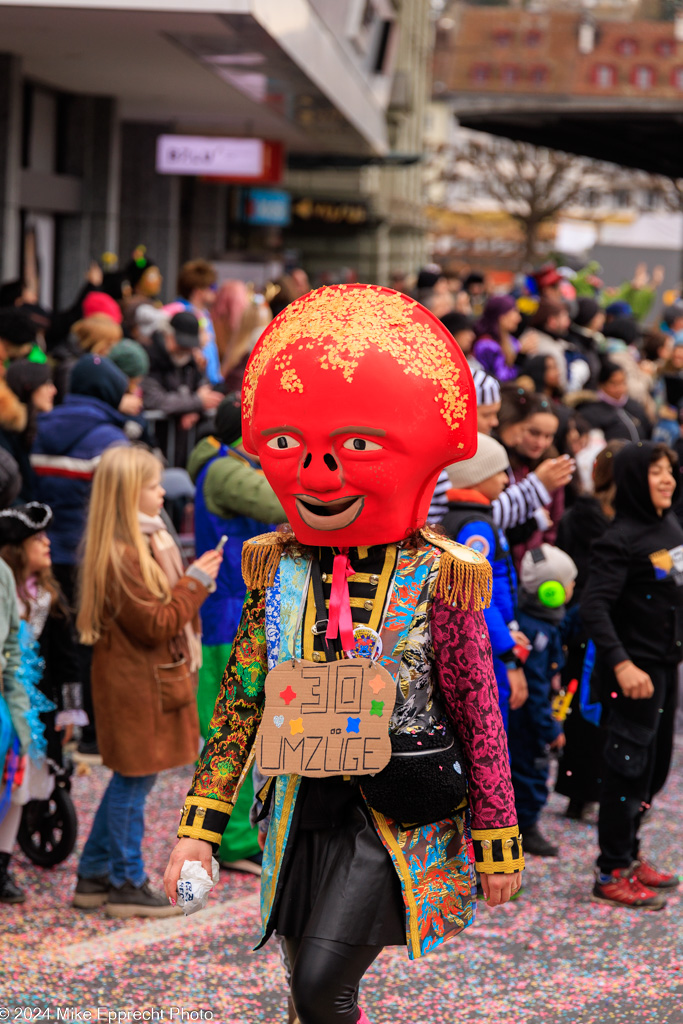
290,381
344,324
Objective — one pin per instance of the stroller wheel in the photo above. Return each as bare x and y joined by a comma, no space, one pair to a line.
48,829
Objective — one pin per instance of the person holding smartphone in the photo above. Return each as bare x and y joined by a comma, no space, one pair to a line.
138,609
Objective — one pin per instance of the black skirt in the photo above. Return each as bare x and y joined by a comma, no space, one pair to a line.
341,885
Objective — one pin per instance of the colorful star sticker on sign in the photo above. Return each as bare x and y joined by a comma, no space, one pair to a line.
376,683
377,708
296,725
288,695
353,725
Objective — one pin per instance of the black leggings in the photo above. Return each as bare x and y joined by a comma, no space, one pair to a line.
325,979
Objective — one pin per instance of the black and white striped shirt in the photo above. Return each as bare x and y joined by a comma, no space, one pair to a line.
517,503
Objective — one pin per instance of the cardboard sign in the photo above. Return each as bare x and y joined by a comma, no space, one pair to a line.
326,719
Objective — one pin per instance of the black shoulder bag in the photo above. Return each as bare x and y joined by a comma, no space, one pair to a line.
425,779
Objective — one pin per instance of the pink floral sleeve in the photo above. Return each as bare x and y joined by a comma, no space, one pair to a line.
464,669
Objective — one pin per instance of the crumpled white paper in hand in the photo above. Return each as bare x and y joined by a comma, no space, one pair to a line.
194,885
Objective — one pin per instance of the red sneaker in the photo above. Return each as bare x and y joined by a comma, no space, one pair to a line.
625,890
650,877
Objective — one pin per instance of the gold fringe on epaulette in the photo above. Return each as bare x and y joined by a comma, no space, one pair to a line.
260,559
464,585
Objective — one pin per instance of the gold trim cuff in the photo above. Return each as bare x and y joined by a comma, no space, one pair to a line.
498,850
203,818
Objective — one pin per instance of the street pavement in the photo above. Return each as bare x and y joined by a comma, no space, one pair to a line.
552,957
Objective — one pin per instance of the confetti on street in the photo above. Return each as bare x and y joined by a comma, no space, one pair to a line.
552,957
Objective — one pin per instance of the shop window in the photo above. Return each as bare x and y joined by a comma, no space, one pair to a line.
539,75
665,48
533,38
677,78
627,47
604,76
503,37
510,74
480,73
643,76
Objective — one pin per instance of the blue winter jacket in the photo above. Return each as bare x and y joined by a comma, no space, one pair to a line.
221,611
67,449
472,524
546,659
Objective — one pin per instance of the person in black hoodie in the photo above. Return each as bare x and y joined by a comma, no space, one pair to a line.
634,603
580,767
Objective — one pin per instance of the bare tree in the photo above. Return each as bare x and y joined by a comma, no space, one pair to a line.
532,184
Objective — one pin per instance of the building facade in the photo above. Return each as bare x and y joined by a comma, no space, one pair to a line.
87,90
588,81
508,51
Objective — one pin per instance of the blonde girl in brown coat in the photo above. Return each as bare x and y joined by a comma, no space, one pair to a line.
139,610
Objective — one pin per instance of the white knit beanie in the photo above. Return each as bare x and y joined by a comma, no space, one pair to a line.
491,458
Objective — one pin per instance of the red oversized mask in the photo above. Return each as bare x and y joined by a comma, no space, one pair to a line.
354,399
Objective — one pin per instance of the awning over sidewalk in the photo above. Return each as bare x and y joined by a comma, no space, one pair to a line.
268,68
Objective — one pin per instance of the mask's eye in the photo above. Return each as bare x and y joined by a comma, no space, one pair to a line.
360,444
283,441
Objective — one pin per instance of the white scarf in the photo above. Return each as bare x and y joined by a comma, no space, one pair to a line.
166,554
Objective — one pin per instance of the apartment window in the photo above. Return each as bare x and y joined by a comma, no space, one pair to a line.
539,74
503,37
627,47
622,198
480,73
604,76
643,76
510,74
677,78
533,38
665,47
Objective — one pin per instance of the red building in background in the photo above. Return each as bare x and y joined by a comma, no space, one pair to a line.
509,51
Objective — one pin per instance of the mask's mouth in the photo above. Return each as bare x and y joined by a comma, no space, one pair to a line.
329,515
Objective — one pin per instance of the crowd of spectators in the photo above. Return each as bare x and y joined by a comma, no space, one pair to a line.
579,392
573,496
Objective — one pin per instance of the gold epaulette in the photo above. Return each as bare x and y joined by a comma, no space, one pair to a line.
260,559
464,579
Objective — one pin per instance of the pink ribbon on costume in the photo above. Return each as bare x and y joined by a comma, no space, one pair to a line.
340,622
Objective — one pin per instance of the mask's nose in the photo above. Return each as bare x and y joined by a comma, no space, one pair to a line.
320,473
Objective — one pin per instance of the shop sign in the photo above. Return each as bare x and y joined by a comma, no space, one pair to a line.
268,207
220,159
329,211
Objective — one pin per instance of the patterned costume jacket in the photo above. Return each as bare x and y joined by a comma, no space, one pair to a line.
434,629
